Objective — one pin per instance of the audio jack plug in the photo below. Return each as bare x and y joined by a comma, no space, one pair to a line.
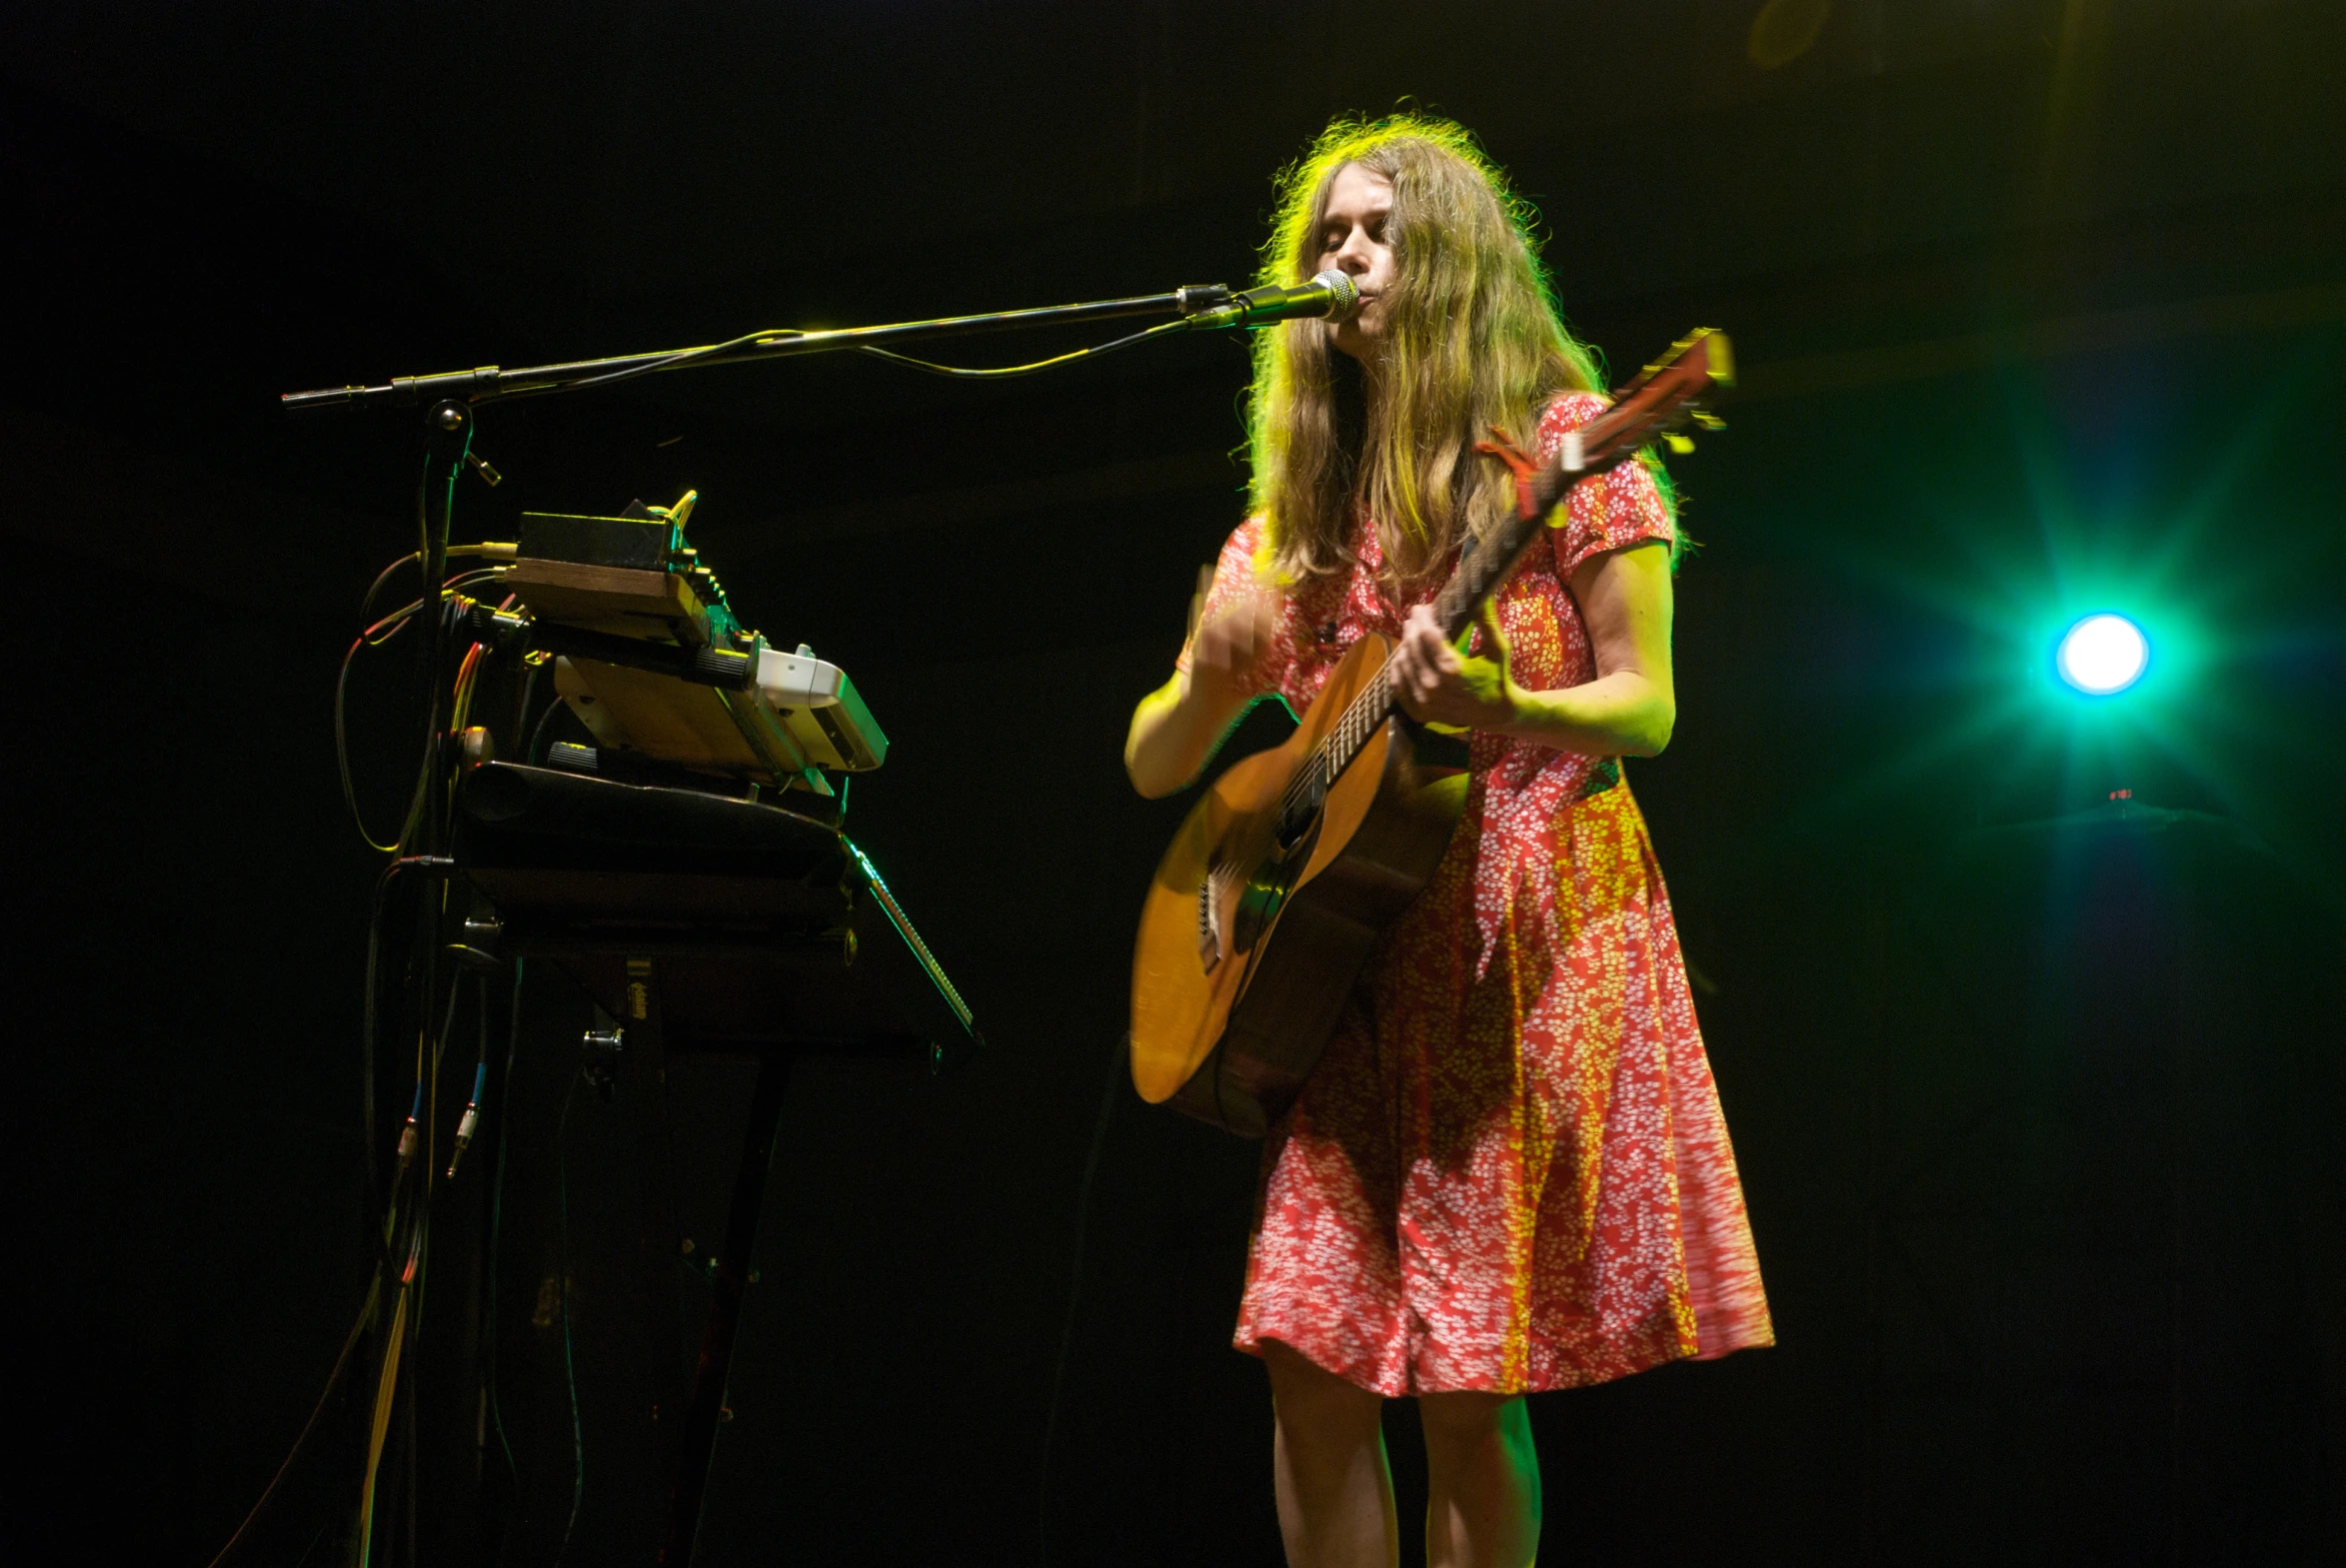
472,1119
407,1134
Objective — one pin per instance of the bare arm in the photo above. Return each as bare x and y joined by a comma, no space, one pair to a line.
1628,709
1175,725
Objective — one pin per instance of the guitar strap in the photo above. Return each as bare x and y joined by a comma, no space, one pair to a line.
1519,464
1607,771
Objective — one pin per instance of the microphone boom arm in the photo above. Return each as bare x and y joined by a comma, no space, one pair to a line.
490,382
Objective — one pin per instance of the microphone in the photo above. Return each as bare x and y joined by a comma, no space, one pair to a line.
1332,296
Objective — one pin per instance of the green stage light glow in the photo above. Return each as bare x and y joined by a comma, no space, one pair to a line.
2102,655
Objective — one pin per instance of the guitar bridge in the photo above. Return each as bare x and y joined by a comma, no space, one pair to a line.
1209,920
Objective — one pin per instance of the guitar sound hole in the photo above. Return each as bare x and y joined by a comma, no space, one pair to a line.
1256,907
1269,885
1297,820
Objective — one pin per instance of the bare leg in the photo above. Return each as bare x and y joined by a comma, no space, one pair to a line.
1482,1481
1336,1496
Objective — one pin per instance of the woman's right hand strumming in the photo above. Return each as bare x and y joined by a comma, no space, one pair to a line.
1176,726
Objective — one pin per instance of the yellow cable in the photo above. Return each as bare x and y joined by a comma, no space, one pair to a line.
385,1387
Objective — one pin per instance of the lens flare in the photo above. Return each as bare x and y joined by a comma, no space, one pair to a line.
2102,655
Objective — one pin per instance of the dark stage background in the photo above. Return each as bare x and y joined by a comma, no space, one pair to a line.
2040,306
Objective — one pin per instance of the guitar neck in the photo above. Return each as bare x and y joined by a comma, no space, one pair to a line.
1483,564
1658,401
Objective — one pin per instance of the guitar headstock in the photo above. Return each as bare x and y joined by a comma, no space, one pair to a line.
1663,397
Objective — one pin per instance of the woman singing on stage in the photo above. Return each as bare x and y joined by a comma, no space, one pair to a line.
1509,1171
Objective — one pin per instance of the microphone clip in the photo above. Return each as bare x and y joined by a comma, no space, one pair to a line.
1196,299
1332,295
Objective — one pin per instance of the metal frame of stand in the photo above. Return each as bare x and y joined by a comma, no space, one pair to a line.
762,932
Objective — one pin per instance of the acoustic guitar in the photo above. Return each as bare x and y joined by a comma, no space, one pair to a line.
1281,881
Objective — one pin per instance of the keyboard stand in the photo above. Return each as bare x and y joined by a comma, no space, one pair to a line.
729,1278
701,923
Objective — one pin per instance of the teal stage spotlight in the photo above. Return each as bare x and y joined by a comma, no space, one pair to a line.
2102,655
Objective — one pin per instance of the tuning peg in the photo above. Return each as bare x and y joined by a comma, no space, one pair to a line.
1708,420
1680,443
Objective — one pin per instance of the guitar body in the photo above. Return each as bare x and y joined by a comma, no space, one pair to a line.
1276,887
1226,1020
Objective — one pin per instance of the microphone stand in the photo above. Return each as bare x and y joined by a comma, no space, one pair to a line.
450,422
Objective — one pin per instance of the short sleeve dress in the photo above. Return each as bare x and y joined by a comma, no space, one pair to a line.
1509,1172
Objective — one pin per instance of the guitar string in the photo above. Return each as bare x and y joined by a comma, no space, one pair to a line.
1363,716
1366,712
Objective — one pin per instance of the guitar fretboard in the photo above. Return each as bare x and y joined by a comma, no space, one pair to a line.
1483,565
1652,404
1657,402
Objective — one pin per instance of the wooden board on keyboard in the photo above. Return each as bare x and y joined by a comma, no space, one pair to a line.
611,598
679,720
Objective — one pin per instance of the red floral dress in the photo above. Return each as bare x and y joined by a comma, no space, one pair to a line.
1509,1171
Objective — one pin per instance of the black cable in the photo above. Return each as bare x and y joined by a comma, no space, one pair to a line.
530,752
310,1427
434,590
438,1046
369,1024
1117,1057
427,768
424,1122
350,794
412,1459
429,1053
375,635
969,374
669,361
366,1027
577,1435
513,1042
383,630
314,1540
521,707
396,1369
367,602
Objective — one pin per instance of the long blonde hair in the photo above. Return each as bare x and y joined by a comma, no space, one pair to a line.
1472,341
